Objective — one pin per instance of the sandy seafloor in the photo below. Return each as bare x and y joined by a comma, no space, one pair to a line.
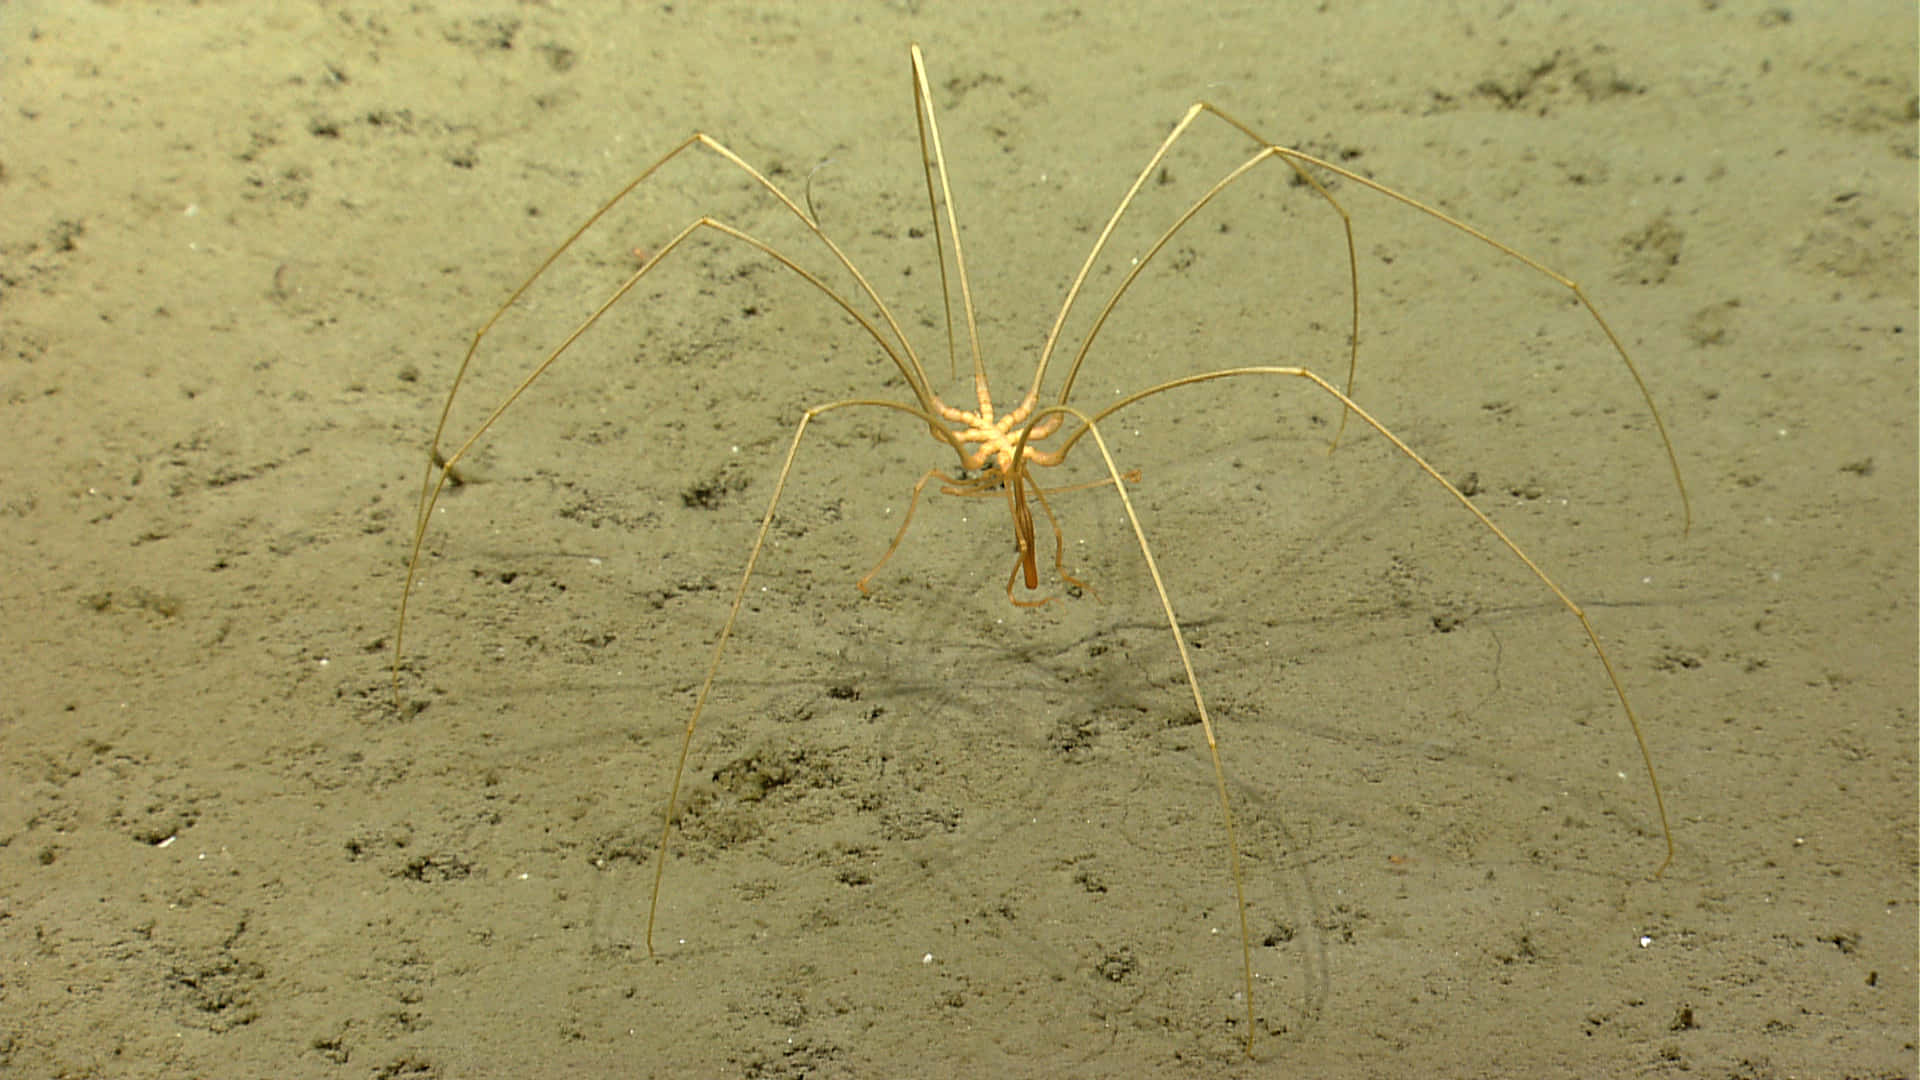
242,247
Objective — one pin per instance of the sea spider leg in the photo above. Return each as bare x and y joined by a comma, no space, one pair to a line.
1299,162
443,467
1586,625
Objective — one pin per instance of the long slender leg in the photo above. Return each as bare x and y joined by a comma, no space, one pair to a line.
1299,159
447,465
713,669
726,633
1151,168
1593,637
1193,684
1303,166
